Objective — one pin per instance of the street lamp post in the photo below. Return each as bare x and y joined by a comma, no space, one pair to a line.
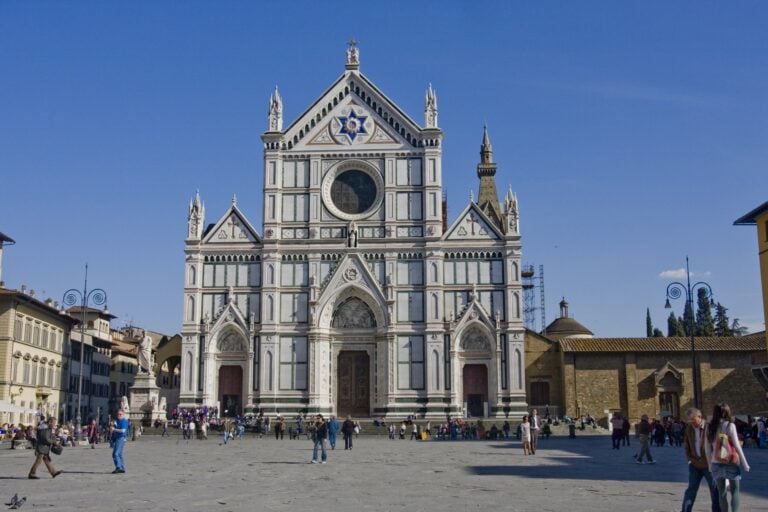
97,297
675,290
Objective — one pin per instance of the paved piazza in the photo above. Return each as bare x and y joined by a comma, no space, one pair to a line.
263,474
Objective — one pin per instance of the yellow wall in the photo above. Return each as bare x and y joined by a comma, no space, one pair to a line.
762,248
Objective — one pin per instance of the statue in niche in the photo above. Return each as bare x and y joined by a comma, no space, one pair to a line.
352,235
231,342
353,314
475,341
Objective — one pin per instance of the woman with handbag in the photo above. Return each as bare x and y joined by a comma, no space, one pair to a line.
45,441
725,456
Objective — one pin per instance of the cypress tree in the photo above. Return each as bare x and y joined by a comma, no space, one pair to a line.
686,319
657,333
722,324
648,323
705,324
672,324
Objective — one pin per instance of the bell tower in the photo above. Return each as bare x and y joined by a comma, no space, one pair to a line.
486,171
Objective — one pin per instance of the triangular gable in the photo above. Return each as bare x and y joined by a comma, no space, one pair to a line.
352,123
328,111
473,224
229,316
351,272
232,227
474,311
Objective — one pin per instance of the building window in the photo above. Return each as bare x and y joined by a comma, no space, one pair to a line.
255,372
294,274
410,362
410,272
410,306
18,329
293,363
409,206
473,272
28,332
295,207
293,307
409,172
296,174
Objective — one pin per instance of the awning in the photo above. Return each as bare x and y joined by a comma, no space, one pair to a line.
6,406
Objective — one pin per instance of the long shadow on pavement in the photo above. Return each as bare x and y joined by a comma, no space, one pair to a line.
591,458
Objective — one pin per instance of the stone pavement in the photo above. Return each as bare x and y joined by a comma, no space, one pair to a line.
170,474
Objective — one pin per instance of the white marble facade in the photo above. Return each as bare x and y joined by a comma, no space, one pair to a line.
355,298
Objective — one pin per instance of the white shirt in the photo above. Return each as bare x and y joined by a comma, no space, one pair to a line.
697,433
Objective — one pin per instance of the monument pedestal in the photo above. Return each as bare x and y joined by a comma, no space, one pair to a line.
145,401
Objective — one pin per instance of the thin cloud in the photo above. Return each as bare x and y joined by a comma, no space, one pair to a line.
679,273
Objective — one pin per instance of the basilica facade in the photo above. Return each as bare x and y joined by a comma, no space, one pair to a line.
357,297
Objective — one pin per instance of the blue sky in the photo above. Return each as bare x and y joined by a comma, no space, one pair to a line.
634,134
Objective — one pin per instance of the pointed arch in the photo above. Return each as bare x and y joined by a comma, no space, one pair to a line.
188,367
190,309
269,373
518,369
436,369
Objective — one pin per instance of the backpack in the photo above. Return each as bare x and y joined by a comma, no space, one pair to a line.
725,453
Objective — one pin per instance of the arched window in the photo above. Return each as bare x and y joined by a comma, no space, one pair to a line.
188,369
436,368
268,372
516,305
435,306
518,369
434,272
192,275
191,309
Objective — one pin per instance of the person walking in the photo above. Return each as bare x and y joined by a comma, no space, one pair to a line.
321,434
644,432
525,435
333,427
723,424
414,430
625,431
165,428
535,422
617,429
279,430
45,439
348,429
698,467
119,431
93,434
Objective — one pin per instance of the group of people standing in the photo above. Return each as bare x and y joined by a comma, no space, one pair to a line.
322,430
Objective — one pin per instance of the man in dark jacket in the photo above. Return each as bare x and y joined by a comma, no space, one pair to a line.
348,429
321,434
644,432
45,439
698,467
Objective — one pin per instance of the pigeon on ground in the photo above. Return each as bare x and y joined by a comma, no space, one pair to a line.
19,503
13,500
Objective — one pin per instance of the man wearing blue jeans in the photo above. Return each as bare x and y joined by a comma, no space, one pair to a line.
698,467
119,431
321,434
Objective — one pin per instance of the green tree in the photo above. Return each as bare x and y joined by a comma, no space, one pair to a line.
675,325
737,329
722,325
648,323
687,317
705,324
657,333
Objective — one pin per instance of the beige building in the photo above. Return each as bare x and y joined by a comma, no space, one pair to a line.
759,218
576,374
34,335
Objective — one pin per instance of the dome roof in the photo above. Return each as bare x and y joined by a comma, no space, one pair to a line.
564,326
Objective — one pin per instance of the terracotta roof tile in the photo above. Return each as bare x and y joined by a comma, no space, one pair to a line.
751,343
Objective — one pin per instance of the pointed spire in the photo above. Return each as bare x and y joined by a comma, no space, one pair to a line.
275,111
234,199
471,196
486,150
430,108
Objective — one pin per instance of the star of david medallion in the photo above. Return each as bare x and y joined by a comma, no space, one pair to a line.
352,125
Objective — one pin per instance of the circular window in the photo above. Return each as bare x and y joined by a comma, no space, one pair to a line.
353,192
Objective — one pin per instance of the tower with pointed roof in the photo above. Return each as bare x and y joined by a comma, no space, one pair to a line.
358,296
488,199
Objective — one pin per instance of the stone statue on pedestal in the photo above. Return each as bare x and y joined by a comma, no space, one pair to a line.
145,355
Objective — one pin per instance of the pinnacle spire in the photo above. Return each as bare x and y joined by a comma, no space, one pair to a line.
486,150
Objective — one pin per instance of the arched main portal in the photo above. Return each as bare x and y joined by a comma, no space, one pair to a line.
476,363
230,390
353,326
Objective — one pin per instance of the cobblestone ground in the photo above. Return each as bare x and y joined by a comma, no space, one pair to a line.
264,474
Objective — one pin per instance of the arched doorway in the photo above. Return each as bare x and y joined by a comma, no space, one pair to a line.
230,389
353,395
475,380
354,318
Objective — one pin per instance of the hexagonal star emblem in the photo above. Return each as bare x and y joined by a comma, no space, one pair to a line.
352,125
